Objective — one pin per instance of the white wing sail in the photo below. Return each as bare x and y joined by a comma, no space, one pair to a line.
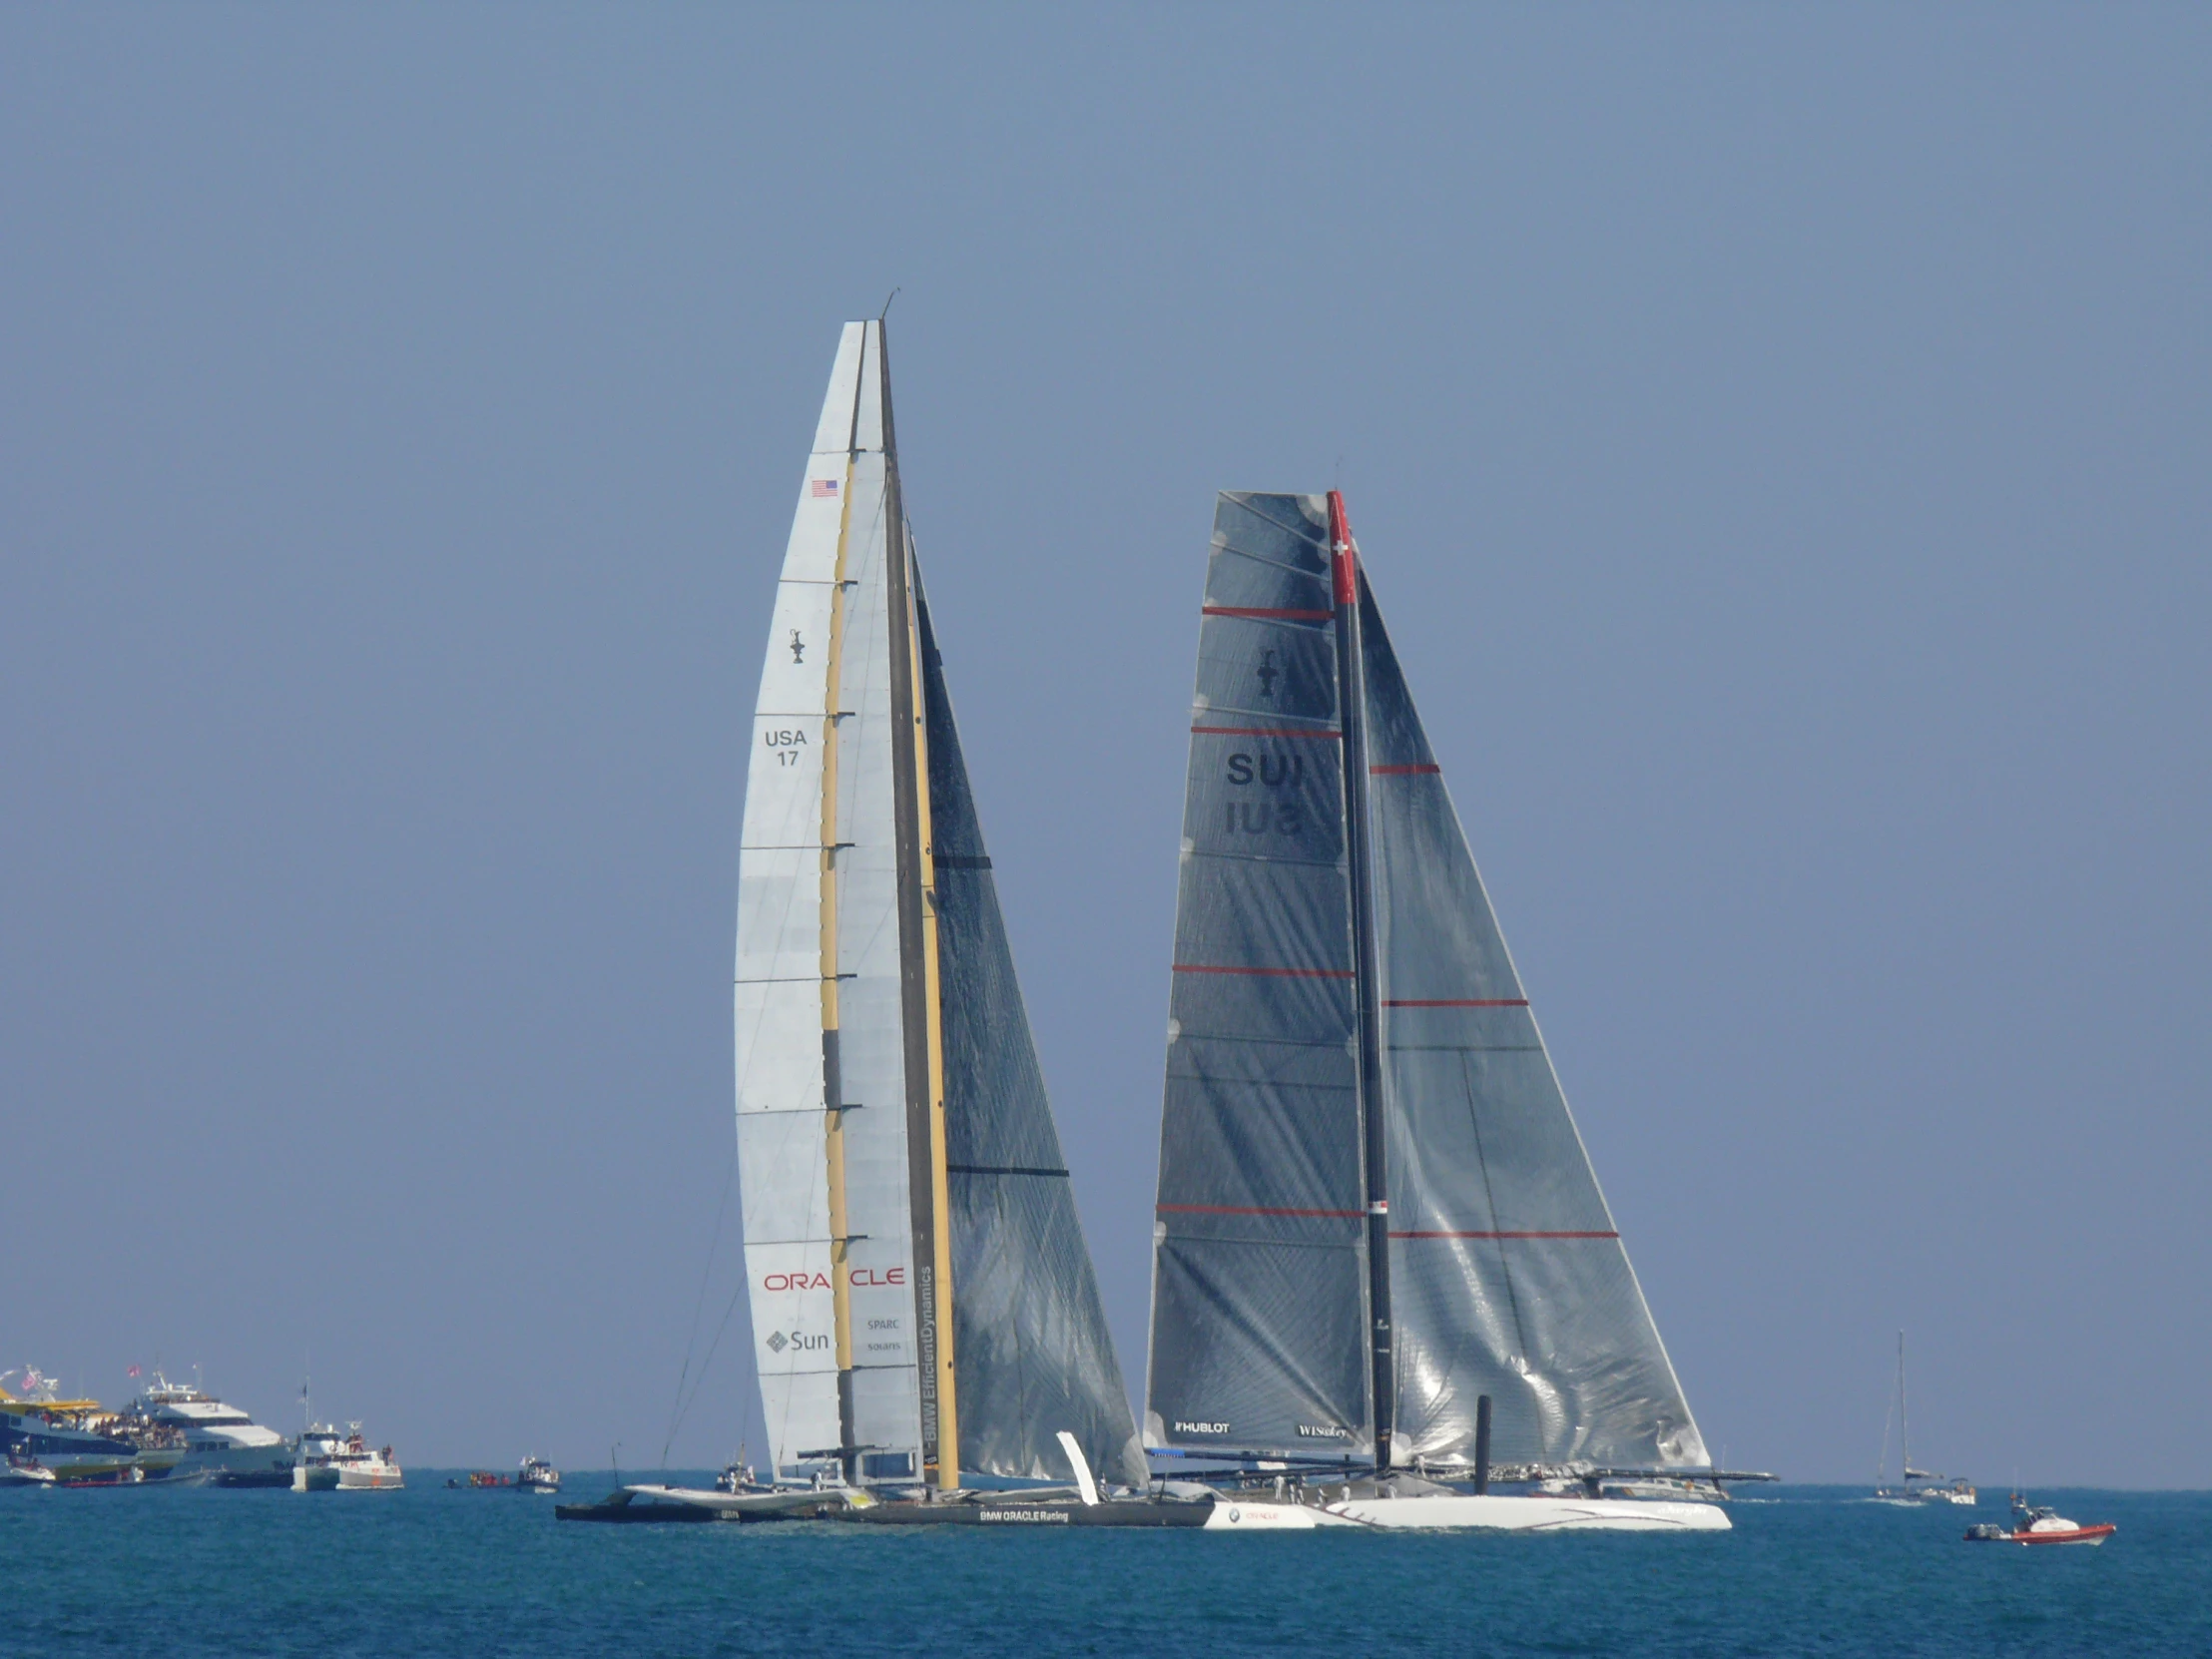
848,1103
779,1001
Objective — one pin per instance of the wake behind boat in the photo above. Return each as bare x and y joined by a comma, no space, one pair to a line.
1375,1216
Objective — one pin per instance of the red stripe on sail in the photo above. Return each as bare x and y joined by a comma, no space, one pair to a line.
1457,1002
1267,973
1259,732
1401,771
1251,1209
1267,614
1514,1235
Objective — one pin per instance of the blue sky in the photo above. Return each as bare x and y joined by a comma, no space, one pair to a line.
1778,438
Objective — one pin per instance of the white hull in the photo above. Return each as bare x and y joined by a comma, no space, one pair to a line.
1233,1515
383,1478
1511,1513
797,1500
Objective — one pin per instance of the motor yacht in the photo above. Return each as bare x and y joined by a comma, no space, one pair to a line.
80,1442
219,1439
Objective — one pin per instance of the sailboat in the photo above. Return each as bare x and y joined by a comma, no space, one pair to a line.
1932,1488
924,1305
1380,1258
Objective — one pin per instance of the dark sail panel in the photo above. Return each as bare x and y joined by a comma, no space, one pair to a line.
1259,1273
1031,1351
1507,1275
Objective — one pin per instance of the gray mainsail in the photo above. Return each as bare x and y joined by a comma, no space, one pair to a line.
1031,1348
1259,1271
1373,1205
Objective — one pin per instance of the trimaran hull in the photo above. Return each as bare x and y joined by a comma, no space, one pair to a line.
1508,1512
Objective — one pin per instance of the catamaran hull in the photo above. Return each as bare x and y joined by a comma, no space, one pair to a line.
1032,1514
748,1506
1511,1513
1222,1515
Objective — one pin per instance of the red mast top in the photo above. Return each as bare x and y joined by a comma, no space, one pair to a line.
1344,551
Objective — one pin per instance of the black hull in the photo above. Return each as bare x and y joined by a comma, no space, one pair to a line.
1135,1512
633,1515
240,1480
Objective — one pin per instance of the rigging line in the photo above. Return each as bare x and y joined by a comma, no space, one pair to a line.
713,1246
1475,1122
704,1364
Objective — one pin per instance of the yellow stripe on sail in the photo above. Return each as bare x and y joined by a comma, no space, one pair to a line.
940,1206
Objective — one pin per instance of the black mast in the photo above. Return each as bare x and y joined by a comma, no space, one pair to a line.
1352,714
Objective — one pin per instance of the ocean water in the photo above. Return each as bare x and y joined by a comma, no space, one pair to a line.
432,1571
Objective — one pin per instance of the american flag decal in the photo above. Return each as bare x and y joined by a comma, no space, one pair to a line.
825,486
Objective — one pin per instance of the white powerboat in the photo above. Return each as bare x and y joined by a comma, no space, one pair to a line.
329,1461
2041,1524
22,1469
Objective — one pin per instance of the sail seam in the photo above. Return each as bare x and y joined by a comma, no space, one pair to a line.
1489,1199
1465,1048
1261,613
1303,530
1456,1002
1267,973
1262,731
1257,1210
1402,771
1269,858
1442,1233
1002,1169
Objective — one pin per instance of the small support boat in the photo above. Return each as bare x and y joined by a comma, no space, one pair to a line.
537,1476
2039,1524
23,1469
